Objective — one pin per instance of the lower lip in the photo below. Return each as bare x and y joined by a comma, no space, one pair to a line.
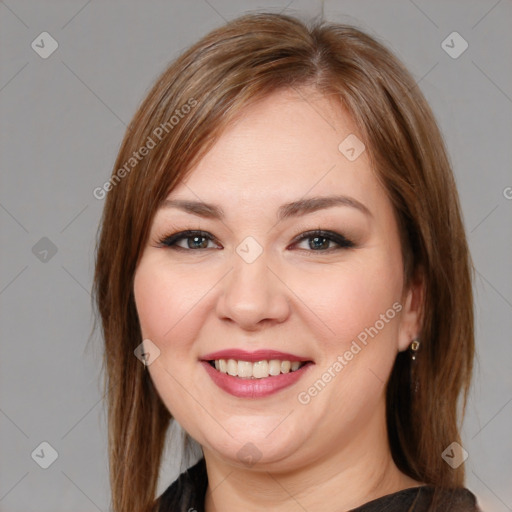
254,388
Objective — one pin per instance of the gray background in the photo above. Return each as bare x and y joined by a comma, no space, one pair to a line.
62,120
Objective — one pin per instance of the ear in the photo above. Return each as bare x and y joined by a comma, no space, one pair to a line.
411,318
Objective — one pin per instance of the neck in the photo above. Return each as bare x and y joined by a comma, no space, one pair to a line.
342,479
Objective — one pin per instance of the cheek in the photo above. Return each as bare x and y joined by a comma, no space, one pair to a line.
152,302
352,298
361,306
160,300
169,302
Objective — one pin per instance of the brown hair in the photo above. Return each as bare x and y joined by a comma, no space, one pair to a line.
230,68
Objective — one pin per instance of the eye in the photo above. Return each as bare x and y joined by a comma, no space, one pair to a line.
317,241
322,241
190,239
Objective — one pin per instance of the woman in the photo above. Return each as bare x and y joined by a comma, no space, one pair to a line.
282,269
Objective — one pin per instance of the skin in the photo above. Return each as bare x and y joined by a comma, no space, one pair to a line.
331,453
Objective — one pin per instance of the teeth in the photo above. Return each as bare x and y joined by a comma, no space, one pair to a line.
232,367
274,367
260,370
257,370
285,366
295,366
244,369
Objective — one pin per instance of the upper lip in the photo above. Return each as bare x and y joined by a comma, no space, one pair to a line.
257,355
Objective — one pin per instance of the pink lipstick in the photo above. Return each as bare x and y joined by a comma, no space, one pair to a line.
254,374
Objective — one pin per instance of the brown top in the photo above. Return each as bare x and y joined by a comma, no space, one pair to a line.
187,494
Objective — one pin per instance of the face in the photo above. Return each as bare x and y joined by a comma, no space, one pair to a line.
274,271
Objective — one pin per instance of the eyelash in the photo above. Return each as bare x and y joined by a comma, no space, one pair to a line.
170,241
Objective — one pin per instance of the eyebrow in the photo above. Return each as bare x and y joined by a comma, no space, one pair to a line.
293,209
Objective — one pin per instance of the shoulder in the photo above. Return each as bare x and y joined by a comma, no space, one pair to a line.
424,499
187,492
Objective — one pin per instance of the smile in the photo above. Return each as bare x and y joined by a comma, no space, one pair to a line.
256,370
255,374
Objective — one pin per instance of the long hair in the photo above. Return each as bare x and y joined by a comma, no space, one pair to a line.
178,122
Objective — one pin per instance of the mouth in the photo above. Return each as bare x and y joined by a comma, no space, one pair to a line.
256,370
255,374
259,364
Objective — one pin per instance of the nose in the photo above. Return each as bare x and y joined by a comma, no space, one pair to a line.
253,295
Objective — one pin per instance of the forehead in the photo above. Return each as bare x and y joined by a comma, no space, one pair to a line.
286,146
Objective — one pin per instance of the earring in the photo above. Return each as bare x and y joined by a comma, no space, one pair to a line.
145,357
415,345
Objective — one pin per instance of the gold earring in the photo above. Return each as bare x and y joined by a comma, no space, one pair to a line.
415,345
